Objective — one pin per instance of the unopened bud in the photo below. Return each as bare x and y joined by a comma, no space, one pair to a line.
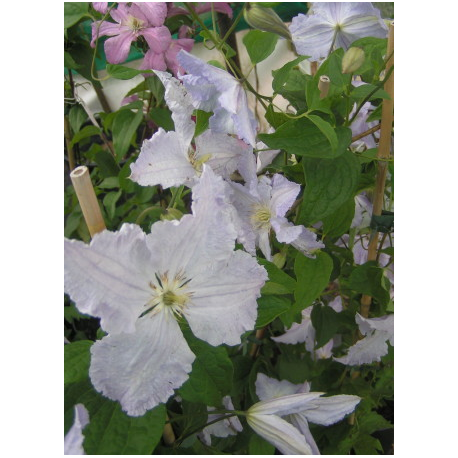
171,214
265,19
352,60
279,259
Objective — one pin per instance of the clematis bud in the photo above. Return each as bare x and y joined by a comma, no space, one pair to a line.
172,213
265,19
352,60
279,259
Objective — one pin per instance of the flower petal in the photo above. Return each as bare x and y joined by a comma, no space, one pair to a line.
384,323
73,441
270,388
224,304
158,38
300,422
109,278
279,433
171,54
284,193
117,48
330,410
153,61
141,370
154,12
285,405
163,160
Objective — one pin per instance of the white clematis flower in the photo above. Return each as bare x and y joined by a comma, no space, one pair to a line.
316,409
139,284
305,332
335,25
227,427
169,159
373,346
214,89
261,207
73,441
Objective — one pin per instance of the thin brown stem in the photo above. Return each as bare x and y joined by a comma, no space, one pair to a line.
366,133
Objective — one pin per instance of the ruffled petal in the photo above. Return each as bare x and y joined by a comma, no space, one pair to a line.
384,323
142,370
110,277
222,121
180,104
244,120
223,152
284,193
163,160
279,433
270,388
171,54
223,305
298,333
330,410
263,241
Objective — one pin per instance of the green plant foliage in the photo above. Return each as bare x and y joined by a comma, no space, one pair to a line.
260,45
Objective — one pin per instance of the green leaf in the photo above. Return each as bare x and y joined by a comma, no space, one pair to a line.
121,72
332,67
372,421
73,12
368,279
109,202
106,163
109,183
162,117
358,94
77,117
202,118
211,376
376,115
77,358
294,89
259,446
69,62
259,45
312,277
338,222
110,430
277,276
125,124
367,445
275,118
303,138
330,183
85,132
281,75
326,129
269,308
71,223
326,322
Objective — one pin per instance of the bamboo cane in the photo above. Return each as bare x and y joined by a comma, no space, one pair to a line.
88,201
382,153
313,67
323,86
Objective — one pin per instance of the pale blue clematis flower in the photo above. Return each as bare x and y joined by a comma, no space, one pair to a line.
227,427
140,284
214,89
305,332
335,25
169,159
73,441
296,406
262,206
370,349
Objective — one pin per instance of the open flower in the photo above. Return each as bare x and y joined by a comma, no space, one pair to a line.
370,349
227,427
297,405
335,25
305,332
214,89
319,410
73,441
139,19
141,284
169,159
262,207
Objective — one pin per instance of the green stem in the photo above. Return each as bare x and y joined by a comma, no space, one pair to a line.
95,47
233,26
214,20
175,194
377,87
143,214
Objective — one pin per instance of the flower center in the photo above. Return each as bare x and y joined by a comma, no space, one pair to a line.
134,24
169,294
260,217
196,162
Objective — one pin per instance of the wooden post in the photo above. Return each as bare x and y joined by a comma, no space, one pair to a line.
323,86
88,201
383,153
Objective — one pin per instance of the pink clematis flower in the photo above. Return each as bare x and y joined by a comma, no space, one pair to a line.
101,7
139,19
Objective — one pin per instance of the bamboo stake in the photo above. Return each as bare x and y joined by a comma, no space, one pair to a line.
323,86
313,67
88,201
382,153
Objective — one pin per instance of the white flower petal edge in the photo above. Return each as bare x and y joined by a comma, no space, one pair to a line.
227,427
285,405
279,433
109,277
142,369
73,441
373,346
330,410
270,388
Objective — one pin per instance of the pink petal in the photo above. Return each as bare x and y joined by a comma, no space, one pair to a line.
117,48
158,38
